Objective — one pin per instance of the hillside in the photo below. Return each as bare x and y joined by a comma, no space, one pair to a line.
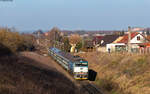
17,76
121,73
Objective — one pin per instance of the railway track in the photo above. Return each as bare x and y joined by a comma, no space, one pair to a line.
89,88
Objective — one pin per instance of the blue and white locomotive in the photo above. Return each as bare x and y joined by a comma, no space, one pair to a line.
74,64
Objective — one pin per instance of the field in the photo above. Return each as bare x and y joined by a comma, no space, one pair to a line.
17,76
121,73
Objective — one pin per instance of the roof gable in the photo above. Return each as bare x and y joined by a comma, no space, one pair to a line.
125,37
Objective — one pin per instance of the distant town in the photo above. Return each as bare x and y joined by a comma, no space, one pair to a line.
135,40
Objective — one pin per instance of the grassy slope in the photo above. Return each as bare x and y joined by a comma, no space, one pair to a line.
16,77
121,73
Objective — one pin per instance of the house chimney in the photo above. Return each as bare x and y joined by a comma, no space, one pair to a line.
145,33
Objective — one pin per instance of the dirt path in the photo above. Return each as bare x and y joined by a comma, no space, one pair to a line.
47,62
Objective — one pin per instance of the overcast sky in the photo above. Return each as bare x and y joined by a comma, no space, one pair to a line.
75,14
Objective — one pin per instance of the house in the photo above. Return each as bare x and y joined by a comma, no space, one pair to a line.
97,40
107,39
118,39
121,43
113,47
135,38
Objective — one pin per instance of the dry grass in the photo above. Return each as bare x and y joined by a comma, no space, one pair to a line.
121,73
17,77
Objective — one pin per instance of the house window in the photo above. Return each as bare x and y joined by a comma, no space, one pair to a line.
138,37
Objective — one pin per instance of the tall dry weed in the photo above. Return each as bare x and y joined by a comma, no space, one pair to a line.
124,73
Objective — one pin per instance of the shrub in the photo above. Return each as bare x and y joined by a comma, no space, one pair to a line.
12,41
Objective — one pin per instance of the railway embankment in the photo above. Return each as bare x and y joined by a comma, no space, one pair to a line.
22,75
120,73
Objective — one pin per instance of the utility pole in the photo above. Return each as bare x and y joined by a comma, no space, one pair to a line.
82,42
54,39
38,36
129,39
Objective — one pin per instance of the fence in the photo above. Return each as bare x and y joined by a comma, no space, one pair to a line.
144,50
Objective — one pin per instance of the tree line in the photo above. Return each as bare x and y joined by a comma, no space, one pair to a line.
66,43
11,41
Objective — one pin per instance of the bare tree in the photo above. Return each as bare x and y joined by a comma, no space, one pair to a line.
55,37
73,40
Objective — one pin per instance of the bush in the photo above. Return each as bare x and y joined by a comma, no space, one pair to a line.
28,43
12,41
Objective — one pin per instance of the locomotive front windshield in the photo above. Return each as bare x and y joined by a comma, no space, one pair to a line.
81,64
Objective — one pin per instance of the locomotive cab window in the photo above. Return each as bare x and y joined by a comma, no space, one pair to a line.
84,64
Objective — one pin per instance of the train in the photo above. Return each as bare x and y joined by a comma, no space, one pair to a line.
76,65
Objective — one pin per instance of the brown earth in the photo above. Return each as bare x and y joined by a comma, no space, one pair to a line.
30,73
46,62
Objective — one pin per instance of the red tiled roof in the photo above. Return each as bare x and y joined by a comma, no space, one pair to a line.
98,38
125,37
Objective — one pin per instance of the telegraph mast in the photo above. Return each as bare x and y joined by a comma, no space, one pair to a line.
129,39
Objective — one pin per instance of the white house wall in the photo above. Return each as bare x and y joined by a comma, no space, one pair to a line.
112,47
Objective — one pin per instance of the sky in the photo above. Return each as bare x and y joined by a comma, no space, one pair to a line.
74,14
